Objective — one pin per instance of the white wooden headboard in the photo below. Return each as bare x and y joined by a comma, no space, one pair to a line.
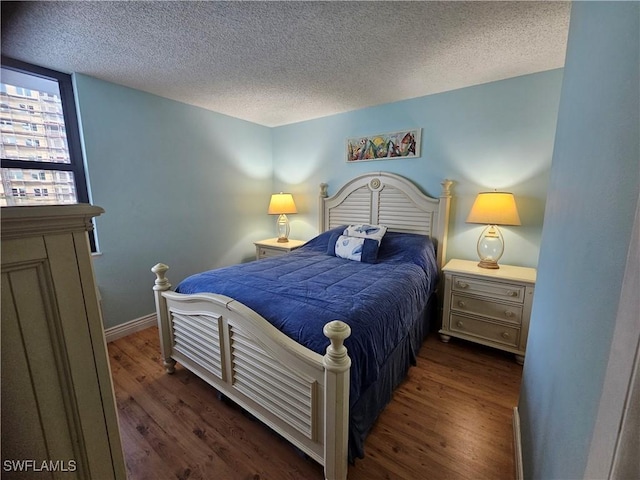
383,198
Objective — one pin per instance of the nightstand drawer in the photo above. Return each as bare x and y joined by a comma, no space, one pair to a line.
486,330
511,313
496,290
270,252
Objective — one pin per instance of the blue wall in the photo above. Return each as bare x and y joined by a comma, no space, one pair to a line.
180,185
586,236
189,187
497,135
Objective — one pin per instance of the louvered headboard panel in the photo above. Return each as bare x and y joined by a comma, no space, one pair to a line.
388,199
355,208
399,213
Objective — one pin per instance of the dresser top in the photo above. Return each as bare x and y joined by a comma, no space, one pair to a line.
35,220
505,272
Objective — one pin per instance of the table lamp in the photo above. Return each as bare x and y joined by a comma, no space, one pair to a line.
281,204
493,209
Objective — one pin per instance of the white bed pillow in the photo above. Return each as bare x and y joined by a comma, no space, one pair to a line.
353,248
363,230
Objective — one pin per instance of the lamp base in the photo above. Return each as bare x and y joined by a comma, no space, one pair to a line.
282,225
492,264
490,247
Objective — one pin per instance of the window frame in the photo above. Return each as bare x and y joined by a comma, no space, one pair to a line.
72,130
76,163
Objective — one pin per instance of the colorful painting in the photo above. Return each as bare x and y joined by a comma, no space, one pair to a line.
384,146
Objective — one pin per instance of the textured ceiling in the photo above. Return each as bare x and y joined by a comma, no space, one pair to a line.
275,63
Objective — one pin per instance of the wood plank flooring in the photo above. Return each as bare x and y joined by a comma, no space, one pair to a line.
450,419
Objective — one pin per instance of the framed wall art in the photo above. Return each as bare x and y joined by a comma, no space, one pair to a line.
384,146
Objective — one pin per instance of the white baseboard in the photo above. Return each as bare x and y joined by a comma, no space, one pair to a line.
127,328
517,445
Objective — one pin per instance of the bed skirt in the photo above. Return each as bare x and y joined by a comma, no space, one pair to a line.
372,401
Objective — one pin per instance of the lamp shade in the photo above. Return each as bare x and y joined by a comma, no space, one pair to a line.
494,208
282,203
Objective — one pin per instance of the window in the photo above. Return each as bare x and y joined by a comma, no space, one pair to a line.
25,92
62,176
16,174
43,142
46,149
57,143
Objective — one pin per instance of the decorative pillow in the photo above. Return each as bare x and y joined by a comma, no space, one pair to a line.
353,248
374,232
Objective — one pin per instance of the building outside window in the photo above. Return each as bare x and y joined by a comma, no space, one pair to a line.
40,150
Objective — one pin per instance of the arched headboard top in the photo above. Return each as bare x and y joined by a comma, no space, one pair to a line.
382,198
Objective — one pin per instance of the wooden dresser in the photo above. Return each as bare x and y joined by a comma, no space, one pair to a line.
491,307
58,406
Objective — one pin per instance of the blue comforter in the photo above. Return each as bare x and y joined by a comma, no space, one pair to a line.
302,291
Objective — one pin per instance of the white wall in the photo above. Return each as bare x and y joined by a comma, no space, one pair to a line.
593,190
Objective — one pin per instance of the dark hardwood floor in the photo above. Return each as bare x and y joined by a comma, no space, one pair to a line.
450,419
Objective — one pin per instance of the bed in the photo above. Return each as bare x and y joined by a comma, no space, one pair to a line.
334,336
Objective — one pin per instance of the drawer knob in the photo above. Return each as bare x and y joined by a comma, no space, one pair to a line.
512,293
508,313
459,324
462,284
461,304
505,335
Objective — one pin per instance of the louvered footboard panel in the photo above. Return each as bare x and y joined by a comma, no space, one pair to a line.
288,396
197,337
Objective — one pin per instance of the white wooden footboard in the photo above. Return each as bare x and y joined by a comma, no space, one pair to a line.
302,395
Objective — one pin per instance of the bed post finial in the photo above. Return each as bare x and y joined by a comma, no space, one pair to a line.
336,401
443,225
446,188
321,211
162,314
336,358
161,283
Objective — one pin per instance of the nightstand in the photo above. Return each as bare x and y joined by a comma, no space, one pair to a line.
491,307
272,248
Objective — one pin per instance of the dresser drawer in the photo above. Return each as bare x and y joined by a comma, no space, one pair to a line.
511,313
483,329
495,290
